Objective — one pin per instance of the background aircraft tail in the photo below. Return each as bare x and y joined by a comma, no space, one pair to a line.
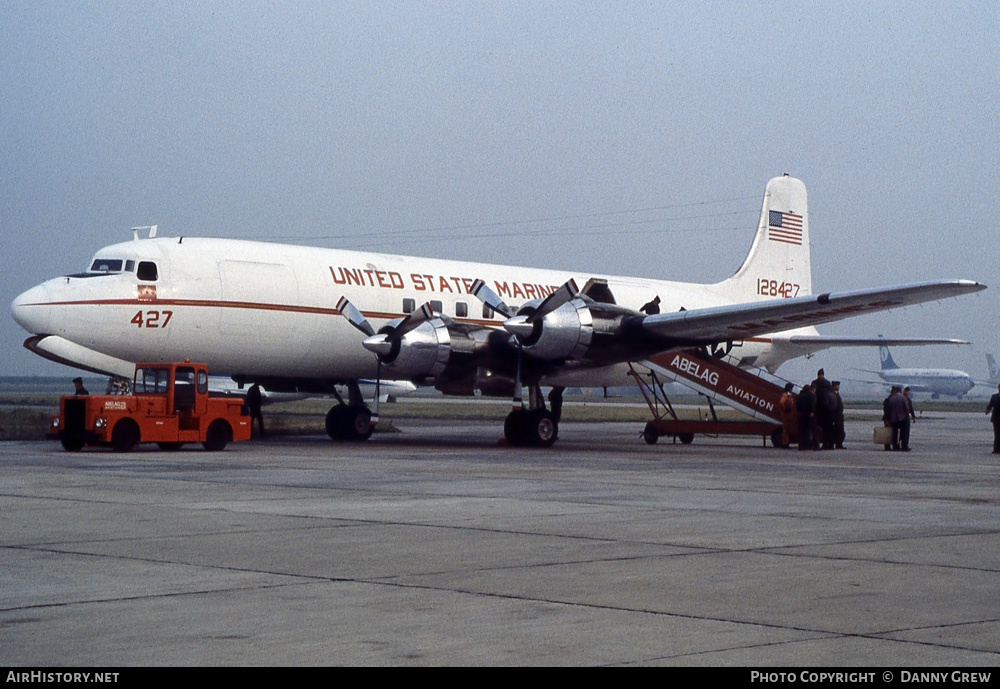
994,369
887,362
778,263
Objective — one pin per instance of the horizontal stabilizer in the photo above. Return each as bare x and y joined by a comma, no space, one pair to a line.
791,346
742,321
825,341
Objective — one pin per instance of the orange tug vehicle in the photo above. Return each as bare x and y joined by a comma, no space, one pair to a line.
169,405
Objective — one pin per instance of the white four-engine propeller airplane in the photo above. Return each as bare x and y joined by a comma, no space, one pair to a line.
303,319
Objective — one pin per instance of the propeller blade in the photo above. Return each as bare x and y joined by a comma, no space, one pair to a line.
354,317
378,381
413,320
556,299
484,294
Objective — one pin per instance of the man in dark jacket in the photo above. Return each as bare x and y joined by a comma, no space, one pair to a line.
805,405
837,416
904,428
823,389
994,406
254,403
898,412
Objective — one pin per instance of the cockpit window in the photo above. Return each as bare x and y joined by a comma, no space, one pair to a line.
151,381
146,271
106,265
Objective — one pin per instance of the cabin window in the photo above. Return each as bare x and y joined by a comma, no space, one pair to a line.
436,306
129,266
202,382
409,305
461,309
147,271
107,265
487,311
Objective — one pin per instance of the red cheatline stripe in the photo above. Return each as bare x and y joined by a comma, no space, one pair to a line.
288,308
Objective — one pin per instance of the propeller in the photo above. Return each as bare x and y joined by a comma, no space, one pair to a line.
355,318
524,327
385,344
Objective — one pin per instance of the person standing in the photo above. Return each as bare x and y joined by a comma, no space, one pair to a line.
556,402
885,414
254,403
786,407
904,428
898,415
823,389
805,405
80,390
994,406
837,416
651,308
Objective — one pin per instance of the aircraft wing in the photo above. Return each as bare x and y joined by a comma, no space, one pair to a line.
741,321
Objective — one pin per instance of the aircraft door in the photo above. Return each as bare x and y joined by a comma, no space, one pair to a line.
260,308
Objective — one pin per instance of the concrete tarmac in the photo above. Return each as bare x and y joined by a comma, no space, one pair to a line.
438,546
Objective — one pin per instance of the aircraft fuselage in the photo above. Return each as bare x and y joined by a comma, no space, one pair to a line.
935,381
258,309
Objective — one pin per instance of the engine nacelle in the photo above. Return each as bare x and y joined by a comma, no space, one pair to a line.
564,333
421,352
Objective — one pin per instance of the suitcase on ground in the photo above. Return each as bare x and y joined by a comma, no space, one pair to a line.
882,435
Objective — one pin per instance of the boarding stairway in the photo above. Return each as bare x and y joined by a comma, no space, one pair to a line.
747,391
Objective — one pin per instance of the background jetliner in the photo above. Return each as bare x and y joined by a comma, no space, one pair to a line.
936,381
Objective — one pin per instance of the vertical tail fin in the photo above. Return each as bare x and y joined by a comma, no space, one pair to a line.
994,369
778,264
887,363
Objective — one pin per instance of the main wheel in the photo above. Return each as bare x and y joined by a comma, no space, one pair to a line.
217,436
335,422
124,435
540,428
536,427
358,424
650,434
72,445
686,438
513,427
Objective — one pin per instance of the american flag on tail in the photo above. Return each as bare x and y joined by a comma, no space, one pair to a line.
784,227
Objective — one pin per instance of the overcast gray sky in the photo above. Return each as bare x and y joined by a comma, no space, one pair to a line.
561,134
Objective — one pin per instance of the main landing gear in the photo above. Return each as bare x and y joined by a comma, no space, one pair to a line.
530,428
346,422
351,421
534,427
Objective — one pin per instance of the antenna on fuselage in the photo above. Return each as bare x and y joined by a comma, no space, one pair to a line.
151,228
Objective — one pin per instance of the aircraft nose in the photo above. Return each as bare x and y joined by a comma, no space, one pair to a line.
28,309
